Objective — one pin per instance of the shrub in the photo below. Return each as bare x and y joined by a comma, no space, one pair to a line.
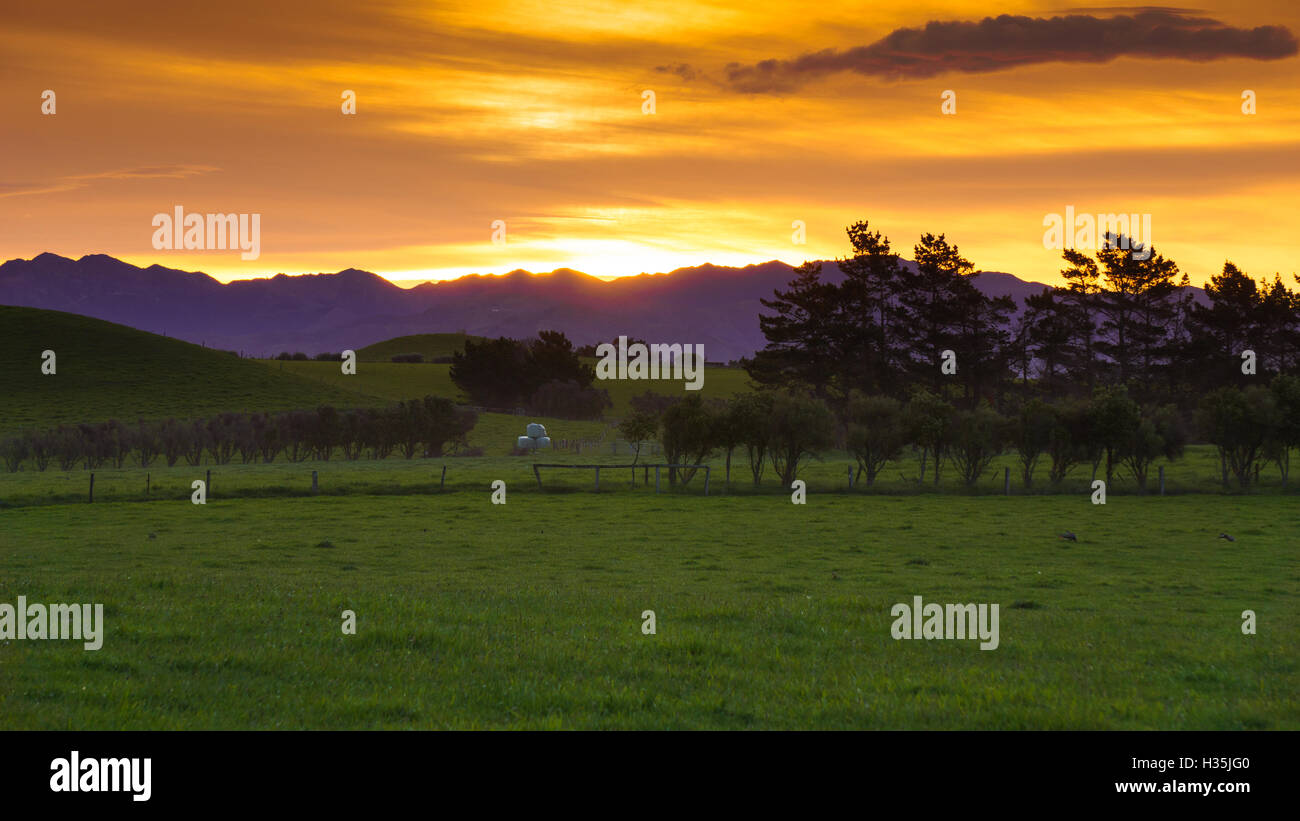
688,435
13,450
876,431
978,436
800,427
1239,423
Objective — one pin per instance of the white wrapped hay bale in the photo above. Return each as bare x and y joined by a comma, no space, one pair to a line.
525,442
543,441
535,430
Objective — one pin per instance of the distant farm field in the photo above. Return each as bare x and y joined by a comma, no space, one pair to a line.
408,380
430,346
769,615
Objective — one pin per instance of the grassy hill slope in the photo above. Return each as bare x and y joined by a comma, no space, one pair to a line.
107,371
430,345
389,380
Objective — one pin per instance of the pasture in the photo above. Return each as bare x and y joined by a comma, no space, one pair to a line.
769,615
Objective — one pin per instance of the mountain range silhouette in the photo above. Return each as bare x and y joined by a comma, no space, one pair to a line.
708,304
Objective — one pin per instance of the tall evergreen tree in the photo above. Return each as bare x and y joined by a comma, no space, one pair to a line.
801,350
1052,322
1225,328
1136,306
869,313
933,302
1082,293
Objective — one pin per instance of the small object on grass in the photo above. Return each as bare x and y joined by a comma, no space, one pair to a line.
153,536
1226,537
835,576
1069,537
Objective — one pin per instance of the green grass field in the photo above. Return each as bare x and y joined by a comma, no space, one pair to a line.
528,615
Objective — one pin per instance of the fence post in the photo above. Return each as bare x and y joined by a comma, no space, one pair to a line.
92,487
315,488
1162,480
148,477
207,483
706,479
656,478
1006,481
443,481
850,477
538,474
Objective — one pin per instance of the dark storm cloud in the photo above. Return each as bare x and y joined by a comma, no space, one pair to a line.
1127,9
1007,41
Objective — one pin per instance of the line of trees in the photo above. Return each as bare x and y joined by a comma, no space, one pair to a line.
1110,432
417,427
1119,320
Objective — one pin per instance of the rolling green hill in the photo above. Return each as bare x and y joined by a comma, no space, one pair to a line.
429,345
389,380
106,371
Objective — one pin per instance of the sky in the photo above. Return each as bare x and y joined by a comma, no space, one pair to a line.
534,113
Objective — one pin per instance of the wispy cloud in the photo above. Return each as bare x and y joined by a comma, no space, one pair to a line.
73,182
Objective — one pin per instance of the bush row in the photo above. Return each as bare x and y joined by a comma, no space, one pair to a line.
1110,432
423,427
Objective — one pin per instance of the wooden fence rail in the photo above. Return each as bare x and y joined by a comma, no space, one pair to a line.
537,471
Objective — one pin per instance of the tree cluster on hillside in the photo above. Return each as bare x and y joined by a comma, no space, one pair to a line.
416,427
506,372
1120,320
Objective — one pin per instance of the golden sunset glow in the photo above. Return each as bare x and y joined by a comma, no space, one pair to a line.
532,113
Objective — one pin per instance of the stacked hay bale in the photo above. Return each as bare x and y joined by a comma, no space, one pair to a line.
535,439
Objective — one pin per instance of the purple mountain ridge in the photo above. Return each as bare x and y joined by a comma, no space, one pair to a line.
712,305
